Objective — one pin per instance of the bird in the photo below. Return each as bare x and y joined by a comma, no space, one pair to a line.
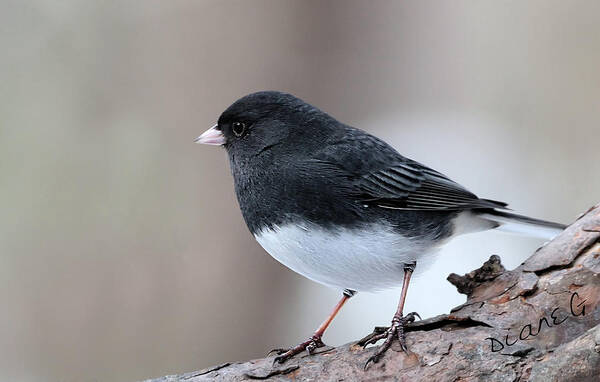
344,208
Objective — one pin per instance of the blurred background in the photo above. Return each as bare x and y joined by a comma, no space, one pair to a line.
123,254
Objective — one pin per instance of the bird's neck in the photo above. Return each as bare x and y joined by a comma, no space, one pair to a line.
257,191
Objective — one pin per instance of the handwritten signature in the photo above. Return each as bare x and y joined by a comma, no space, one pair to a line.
528,331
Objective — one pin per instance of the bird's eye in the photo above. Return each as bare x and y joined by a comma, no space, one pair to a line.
238,128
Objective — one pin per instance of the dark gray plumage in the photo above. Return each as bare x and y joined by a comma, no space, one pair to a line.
299,161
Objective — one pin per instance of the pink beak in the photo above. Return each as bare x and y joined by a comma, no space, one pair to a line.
212,136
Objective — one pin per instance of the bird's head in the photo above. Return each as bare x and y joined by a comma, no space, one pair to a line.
265,121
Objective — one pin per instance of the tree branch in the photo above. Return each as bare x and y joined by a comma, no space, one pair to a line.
540,321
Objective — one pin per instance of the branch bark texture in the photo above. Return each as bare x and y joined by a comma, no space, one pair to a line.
538,322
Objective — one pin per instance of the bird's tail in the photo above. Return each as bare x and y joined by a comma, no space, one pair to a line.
514,223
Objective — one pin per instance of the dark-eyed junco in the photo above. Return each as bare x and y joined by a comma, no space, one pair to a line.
341,206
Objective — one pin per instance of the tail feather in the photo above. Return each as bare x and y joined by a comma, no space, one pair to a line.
521,224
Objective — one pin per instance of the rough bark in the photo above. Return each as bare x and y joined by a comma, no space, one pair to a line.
538,322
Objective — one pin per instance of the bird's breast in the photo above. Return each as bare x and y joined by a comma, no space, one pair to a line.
364,258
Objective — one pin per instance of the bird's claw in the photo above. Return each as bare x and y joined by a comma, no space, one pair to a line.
395,331
277,351
309,345
377,331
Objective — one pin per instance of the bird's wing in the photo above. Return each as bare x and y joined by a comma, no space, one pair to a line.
389,180
412,186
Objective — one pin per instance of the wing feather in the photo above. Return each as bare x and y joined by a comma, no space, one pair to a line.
382,177
416,187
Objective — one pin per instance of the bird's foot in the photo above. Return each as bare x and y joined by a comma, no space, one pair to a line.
309,345
395,331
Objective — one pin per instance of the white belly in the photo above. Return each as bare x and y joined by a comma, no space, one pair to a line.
366,259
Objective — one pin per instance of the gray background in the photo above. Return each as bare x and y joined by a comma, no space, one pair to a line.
122,251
